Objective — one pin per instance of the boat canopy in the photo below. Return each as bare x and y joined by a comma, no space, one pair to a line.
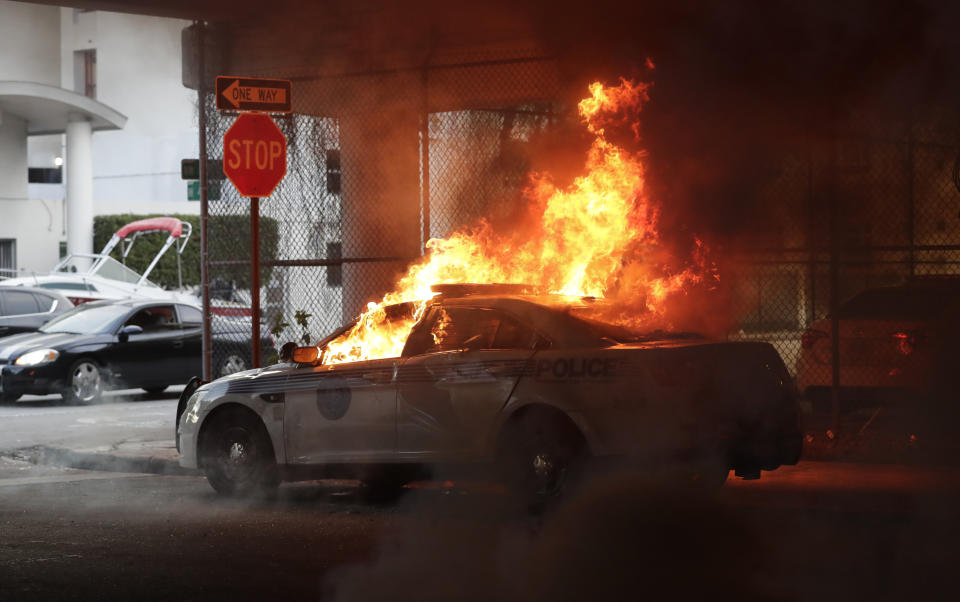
152,224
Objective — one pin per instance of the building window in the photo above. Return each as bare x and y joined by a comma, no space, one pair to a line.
85,73
45,175
8,257
63,249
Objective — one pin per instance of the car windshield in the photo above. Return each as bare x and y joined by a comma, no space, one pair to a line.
86,319
896,304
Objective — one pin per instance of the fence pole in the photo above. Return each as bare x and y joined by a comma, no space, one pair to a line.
255,278
911,209
425,161
204,209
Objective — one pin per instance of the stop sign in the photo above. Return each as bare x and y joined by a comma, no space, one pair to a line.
254,154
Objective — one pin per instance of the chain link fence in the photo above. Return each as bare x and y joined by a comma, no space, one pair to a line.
375,168
380,162
866,255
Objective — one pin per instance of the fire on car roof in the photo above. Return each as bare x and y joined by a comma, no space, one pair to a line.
593,238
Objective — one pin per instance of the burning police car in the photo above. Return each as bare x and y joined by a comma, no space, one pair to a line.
534,385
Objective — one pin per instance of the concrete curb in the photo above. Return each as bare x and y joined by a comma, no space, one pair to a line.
104,461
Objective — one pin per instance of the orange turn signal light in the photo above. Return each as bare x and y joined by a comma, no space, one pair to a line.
305,355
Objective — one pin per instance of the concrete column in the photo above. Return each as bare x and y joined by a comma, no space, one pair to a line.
380,163
79,165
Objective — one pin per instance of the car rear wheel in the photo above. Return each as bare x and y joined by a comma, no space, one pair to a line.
237,457
84,383
541,455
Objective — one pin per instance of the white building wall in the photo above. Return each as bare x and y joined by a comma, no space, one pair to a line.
138,73
38,228
102,207
137,169
29,43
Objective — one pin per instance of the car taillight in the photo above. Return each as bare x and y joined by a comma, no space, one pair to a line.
811,336
906,342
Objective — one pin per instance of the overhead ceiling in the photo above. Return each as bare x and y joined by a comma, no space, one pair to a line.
179,9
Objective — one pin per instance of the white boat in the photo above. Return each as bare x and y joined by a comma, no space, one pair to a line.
83,277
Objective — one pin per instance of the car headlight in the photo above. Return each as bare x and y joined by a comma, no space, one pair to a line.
37,357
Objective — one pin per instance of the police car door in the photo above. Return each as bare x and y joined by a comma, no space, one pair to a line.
456,379
341,413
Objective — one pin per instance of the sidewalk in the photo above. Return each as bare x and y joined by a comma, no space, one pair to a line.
152,457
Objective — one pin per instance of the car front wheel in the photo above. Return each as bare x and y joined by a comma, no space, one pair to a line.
237,457
84,383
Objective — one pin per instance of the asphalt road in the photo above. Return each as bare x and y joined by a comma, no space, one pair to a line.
817,531
814,533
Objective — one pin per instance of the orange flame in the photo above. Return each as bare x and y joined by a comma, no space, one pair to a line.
594,237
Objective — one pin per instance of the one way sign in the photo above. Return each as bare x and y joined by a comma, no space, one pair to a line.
253,94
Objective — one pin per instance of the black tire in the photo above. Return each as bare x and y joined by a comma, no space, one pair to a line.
156,390
85,382
10,397
237,457
541,455
230,363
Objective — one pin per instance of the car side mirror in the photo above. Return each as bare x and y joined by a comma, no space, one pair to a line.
305,355
129,329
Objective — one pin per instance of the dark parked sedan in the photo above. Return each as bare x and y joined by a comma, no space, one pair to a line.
108,344
25,309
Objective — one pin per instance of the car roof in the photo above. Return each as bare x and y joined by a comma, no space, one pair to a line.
548,314
35,289
137,303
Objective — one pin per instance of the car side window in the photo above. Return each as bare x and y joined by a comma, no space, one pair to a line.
154,319
46,304
511,334
456,328
19,302
190,316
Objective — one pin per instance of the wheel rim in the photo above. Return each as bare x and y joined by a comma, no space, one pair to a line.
547,473
85,382
238,457
233,363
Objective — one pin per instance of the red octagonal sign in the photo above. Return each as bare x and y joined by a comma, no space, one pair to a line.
254,154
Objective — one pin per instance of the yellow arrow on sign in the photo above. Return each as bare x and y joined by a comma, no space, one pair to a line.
235,94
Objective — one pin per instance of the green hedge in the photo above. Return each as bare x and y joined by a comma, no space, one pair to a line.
229,239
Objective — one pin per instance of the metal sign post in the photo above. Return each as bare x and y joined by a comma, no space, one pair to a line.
255,278
255,160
